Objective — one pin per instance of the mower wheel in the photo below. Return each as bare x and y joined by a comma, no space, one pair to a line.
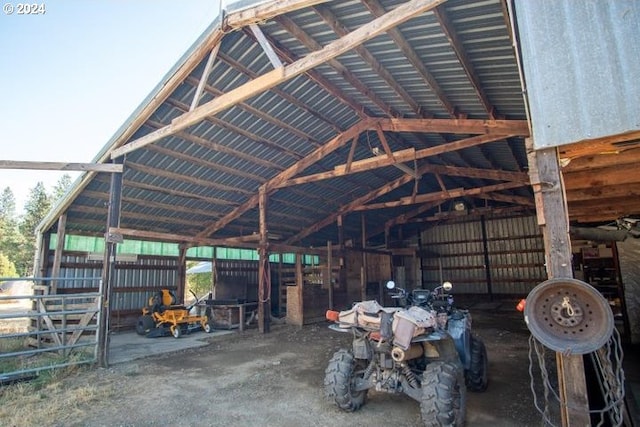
208,327
176,331
145,324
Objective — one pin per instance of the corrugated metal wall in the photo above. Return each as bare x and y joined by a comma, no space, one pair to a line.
456,252
581,63
629,259
134,282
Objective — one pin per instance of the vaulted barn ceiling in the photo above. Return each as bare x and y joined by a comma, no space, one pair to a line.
380,112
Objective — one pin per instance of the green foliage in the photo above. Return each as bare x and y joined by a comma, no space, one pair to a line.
17,234
11,241
7,268
61,187
199,283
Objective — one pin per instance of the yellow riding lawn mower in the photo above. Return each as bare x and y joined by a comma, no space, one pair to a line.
163,317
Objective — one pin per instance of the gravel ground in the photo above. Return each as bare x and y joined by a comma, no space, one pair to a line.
274,379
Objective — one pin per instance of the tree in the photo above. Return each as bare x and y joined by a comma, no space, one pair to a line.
7,268
10,238
35,208
61,188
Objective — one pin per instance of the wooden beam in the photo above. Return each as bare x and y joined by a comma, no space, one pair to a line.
197,161
440,195
204,77
606,144
57,256
334,23
627,191
617,175
211,213
311,44
508,198
467,66
276,145
264,12
273,78
604,160
61,166
321,81
390,186
399,157
376,8
266,46
455,126
184,178
261,115
553,219
293,170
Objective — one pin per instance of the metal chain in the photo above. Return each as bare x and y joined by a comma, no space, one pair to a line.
608,365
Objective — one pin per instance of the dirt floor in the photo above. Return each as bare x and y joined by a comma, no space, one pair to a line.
276,379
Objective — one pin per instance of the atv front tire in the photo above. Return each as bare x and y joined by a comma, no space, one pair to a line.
339,380
443,395
477,375
145,324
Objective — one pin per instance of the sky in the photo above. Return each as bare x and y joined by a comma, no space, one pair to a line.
69,78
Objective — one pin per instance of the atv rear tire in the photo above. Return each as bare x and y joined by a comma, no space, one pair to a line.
443,395
145,324
477,375
339,380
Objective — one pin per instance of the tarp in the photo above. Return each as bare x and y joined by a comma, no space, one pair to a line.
201,267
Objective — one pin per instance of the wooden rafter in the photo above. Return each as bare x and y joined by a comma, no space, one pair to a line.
197,161
182,194
205,75
184,178
627,191
334,23
264,12
298,167
349,207
126,216
344,72
455,126
399,157
273,78
440,195
322,82
377,9
508,198
151,204
278,146
264,116
456,45
61,166
266,46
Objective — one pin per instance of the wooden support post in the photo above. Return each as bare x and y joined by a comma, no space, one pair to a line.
487,259
108,266
40,270
182,273
329,277
264,279
300,293
343,270
214,272
57,257
551,207
363,275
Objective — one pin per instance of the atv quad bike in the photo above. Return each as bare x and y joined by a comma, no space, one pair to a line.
163,317
424,348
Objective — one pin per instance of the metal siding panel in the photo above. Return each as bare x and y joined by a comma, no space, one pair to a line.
581,61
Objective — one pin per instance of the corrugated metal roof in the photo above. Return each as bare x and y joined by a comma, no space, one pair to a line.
188,181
